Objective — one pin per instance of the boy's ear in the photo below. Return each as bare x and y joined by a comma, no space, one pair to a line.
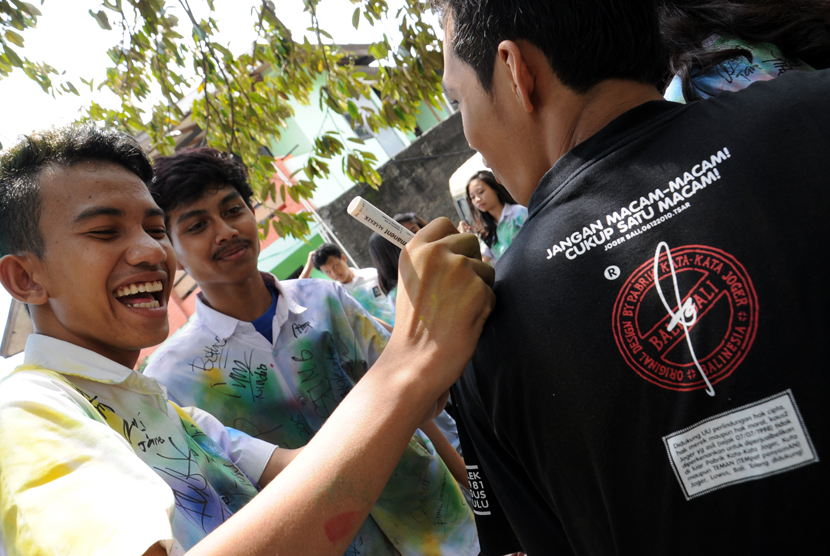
523,81
18,277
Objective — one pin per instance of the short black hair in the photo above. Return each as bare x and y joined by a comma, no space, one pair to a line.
584,41
406,217
322,254
187,176
22,164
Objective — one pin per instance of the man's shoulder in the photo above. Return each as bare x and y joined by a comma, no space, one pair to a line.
364,278
29,385
309,287
806,86
765,104
314,293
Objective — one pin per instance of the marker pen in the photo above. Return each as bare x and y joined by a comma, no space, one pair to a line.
378,221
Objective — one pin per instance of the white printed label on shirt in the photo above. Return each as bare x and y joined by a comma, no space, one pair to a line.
751,442
481,505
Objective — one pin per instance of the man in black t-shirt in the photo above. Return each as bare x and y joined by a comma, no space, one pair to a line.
652,379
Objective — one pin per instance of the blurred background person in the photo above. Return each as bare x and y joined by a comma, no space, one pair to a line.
385,259
362,283
385,256
725,45
498,218
410,221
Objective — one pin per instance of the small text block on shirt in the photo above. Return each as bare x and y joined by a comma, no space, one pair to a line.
747,443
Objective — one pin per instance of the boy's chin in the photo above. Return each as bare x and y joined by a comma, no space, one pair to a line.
141,339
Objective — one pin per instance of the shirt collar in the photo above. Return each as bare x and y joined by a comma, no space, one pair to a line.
621,131
223,326
508,212
70,359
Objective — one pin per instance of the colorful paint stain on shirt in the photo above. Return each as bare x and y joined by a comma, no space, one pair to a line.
768,62
365,288
324,341
93,456
512,219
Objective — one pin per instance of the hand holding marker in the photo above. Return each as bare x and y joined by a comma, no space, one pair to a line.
374,218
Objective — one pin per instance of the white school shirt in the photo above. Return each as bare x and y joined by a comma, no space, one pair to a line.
366,289
323,342
95,460
283,391
511,221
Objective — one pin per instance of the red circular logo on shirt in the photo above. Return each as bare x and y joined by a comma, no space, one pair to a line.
701,327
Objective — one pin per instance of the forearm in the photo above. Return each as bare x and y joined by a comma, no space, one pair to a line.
451,458
309,266
317,504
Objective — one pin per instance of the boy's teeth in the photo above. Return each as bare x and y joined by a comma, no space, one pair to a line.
143,287
152,305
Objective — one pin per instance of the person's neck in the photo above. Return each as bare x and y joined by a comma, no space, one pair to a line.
351,276
246,301
590,112
496,213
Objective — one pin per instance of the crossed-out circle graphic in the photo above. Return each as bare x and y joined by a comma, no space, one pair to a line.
726,307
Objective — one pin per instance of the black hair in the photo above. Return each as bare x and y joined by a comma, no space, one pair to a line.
21,166
486,224
406,217
584,41
800,28
322,254
385,258
187,176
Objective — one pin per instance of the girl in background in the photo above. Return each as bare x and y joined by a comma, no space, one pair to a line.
498,217
385,259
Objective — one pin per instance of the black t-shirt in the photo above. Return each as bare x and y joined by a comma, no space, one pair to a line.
585,408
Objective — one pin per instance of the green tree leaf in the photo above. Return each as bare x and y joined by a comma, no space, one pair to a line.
101,17
241,103
14,38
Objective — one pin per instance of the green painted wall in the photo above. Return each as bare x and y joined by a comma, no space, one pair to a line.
298,259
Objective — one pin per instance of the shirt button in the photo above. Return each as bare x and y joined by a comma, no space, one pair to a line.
302,400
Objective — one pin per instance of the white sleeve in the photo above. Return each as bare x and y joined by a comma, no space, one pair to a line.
250,454
486,251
